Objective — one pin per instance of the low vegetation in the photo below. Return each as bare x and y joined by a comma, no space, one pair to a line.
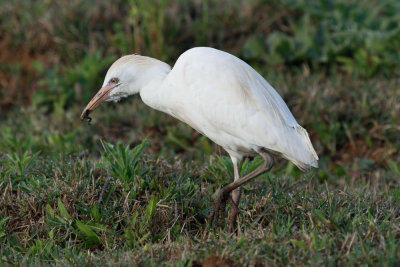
335,63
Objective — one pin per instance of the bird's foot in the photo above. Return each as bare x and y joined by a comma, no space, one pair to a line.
233,213
219,205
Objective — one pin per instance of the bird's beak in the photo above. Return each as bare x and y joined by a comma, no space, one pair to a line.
99,98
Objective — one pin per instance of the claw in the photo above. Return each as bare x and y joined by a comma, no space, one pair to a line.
219,205
232,214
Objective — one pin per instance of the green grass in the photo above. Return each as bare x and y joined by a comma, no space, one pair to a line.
335,63
156,207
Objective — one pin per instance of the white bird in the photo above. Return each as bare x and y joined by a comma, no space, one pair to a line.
223,98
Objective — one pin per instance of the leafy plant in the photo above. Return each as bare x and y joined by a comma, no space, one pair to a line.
122,160
19,165
86,231
12,144
332,32
139,229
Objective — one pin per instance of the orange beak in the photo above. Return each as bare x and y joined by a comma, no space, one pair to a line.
96,101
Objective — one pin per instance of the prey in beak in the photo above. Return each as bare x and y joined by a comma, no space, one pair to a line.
99,98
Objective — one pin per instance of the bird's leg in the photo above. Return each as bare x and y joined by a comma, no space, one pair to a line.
234,200
223,195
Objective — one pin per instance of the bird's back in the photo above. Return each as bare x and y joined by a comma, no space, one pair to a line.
224,98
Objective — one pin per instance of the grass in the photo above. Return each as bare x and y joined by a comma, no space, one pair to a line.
334,62
156,207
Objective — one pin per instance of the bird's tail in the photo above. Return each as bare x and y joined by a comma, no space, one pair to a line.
303,153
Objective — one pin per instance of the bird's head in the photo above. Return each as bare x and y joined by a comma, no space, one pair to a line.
125,77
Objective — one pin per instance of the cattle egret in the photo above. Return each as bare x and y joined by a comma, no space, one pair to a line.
223,98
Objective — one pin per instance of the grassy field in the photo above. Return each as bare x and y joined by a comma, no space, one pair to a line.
336,64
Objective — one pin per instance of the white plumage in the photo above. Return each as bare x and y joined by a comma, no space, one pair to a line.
225,99
220,96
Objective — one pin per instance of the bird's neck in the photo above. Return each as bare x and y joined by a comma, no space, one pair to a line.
153,91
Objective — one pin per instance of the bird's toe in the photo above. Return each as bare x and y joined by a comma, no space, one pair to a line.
219,206
233,213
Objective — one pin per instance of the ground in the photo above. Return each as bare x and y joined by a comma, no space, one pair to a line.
336,65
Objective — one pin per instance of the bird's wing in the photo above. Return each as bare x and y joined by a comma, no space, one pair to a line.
219,93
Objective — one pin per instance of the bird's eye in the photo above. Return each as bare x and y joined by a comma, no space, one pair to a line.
114,80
